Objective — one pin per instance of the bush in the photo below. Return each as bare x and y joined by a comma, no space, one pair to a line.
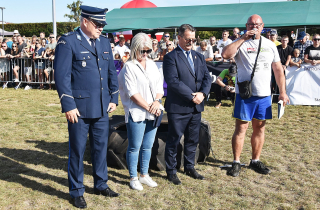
29,29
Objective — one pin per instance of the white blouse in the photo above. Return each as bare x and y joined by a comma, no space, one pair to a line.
132,80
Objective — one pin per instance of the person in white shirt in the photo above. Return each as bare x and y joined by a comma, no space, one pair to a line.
205,50
224,41
121,47
141,90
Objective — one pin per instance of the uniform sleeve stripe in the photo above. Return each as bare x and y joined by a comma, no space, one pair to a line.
66,96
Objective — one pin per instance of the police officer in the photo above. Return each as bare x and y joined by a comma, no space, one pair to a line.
86,80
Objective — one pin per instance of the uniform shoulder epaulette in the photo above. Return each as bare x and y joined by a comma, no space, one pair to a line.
68,34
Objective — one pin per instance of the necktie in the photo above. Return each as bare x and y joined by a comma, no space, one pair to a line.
93,45
190,60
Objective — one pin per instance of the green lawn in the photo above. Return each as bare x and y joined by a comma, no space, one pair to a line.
34,155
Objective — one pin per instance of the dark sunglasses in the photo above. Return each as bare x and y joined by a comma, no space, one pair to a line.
14,46
166,36
316,39
154,43
51,37
168,45
190,40
96,24
3,45
145,51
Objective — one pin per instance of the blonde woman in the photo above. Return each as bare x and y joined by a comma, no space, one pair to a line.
141,90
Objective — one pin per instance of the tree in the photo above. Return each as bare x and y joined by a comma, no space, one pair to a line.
75,11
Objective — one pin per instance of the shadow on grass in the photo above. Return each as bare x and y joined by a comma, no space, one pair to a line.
215,162
11,170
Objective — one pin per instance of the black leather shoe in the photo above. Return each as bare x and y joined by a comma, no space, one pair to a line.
174,179
194,174
106,192
79,202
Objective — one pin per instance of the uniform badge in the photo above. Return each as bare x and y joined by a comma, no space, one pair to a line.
84,64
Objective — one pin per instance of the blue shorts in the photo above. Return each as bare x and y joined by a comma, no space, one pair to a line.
252,108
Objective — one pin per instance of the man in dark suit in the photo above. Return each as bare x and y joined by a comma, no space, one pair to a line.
87,84
189,82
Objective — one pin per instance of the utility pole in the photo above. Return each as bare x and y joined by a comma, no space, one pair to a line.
2,8
54,18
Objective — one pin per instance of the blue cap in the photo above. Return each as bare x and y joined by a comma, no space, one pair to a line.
94,13
301,35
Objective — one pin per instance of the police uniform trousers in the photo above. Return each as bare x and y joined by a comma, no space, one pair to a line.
98,129
182,124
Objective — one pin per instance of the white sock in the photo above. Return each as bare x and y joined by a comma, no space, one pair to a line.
254,160
235,161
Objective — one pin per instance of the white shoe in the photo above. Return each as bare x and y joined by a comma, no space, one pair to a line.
15,80
27,87
4,86
135,184
148,181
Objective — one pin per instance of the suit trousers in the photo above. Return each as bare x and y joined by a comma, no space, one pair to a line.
189,126
98,129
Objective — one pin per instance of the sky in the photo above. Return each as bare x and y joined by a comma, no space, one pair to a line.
38,11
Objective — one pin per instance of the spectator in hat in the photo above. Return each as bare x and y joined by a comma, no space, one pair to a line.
126,56
230,76
274,36
15,33
302,43
121,47
312,53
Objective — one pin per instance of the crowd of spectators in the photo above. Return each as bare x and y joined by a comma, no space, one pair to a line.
29,58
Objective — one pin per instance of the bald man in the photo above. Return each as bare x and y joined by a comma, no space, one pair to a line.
257,108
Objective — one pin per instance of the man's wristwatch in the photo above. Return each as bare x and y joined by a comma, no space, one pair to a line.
159,100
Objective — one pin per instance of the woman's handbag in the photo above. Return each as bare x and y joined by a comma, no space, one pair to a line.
245,87
157,119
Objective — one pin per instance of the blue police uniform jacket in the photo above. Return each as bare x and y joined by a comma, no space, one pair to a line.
85,79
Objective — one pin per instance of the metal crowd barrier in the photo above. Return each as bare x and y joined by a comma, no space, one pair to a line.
26,71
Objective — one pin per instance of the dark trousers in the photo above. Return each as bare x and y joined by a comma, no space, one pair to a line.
189,126
98,129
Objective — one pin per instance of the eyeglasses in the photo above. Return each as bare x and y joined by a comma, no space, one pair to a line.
190,40
145,51
51,37
14,46
168,45
315,39
254,24
166,36
3,45
96,24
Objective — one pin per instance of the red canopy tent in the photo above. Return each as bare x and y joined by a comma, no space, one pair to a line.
138,4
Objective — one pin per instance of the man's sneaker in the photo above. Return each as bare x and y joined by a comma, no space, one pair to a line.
135,184
15,80
53,82
4,86
234,170
218,105
148,181
27,87
259,167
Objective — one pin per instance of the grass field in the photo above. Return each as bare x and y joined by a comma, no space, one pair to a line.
34,154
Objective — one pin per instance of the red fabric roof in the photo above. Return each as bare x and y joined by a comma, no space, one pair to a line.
138,4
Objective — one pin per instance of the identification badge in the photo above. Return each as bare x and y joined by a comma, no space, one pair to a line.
84,64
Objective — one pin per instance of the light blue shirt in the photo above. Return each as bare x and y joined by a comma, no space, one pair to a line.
185,53
85,36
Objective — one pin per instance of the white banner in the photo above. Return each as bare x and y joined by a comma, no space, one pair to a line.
303,84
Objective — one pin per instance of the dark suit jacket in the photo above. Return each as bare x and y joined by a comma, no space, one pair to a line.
182,82
85,79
